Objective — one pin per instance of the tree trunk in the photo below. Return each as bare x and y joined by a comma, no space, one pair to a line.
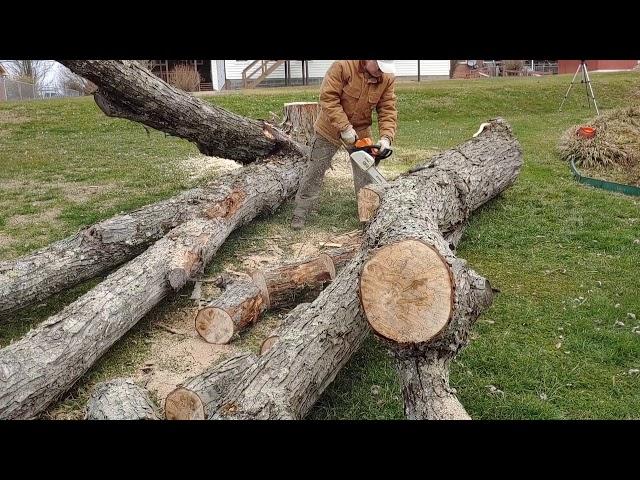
273,337
120,399
37,369
289,378
127,90
242,302
299,118
107,244
104,245
196,398
423,300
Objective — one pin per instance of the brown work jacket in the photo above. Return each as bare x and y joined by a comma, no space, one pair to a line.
348,96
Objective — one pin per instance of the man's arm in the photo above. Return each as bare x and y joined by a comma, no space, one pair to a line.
387,112
330,93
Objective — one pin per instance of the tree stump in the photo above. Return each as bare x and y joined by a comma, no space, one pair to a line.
299,118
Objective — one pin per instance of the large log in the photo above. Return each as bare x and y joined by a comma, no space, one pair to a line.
127,90
120,399
289,378
423,300
196,398
107,244
39,368
243,301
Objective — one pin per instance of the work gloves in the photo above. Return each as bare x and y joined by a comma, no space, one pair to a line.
349,135
385,143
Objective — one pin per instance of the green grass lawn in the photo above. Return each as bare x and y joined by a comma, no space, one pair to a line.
563,255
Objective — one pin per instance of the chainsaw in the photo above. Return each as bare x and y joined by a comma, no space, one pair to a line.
365,158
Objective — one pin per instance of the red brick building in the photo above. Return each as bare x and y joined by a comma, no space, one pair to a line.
570,66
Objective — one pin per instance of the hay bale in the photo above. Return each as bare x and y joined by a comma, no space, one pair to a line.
616,143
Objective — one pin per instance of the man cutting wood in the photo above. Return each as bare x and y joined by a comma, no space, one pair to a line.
350,92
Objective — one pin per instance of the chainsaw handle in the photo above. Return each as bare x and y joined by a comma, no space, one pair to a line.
378,157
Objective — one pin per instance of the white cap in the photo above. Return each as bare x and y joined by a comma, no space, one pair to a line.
387,66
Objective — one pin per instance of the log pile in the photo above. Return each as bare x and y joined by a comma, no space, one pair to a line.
399,279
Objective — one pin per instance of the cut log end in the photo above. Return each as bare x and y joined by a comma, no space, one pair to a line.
407,292
368,202
268,343
183,404
214,325
327,264
260,281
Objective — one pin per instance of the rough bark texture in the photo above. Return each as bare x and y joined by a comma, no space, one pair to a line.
238,307
299,118
127,90
243,301
41,366
105,245
120,399
196,398
288,379
273,337
424,343
289,281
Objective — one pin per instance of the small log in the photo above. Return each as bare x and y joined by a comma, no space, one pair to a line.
200,395
242,303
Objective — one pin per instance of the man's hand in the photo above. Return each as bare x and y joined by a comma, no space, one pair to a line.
349,136
385,143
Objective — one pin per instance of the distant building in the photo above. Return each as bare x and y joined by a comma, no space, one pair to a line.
570,66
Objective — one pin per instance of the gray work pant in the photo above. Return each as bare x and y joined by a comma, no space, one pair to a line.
321,153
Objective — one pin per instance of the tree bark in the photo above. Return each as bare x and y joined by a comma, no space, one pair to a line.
273,337
238,307
39,368
299,118
105,245
289,378
243,302
120,399
97,249
127,90
369,198
196,398
423,300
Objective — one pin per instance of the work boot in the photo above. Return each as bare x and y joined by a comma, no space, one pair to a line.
297,222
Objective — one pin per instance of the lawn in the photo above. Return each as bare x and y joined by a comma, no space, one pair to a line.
557,343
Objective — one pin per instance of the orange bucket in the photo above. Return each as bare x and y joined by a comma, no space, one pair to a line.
587,132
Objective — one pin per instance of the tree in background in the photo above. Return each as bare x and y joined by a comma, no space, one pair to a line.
29,71
67,80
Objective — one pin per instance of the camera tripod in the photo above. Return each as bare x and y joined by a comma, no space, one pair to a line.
587,81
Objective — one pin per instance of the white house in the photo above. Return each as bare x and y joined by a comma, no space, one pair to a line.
240,73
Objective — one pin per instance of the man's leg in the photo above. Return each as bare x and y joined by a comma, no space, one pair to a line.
322,151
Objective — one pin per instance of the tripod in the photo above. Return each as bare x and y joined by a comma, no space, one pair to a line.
587,81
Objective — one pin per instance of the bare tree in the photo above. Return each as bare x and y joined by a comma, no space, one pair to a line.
67,80
31,71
